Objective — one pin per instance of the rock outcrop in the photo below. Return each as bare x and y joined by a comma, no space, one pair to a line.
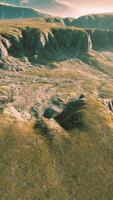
50,113
3,51
84,114
72,115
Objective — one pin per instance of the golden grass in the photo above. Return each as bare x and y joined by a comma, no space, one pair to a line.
73,166
14,26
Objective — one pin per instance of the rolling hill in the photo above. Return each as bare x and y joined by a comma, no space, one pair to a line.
95,21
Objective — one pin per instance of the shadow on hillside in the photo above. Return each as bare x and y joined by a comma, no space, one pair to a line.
49,58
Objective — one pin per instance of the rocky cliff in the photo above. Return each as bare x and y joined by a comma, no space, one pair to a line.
41,42
44,41
101,39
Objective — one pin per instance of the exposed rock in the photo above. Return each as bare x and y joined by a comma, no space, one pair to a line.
50,113
36,40
35,112
90,45
68,41
101,39
82,96
16,47
110,105
58,102
5,42
71,117
54,44
3,51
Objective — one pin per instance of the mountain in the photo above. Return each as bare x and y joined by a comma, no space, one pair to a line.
54,7
96,21
8,11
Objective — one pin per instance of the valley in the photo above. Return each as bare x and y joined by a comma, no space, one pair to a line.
56,111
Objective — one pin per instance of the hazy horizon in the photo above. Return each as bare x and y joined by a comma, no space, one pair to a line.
72,8
67,8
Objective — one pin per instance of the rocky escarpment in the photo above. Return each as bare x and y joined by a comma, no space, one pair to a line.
101,39
40,42
57,43
38,45
97,21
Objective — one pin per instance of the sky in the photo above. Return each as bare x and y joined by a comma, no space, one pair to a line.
67,8
72,8
76,8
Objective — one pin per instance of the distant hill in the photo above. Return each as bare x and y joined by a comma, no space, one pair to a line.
69,21
49,6
8,11
98,21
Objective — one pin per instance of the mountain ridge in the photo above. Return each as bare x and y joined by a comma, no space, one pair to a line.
9,11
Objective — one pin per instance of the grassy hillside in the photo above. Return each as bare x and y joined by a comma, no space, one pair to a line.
72,165
96,21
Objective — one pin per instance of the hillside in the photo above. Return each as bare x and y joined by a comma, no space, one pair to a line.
56,111
8,11
49,6
95,21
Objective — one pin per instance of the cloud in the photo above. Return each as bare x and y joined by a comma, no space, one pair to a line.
63,8
65,3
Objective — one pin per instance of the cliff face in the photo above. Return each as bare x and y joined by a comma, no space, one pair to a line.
55,43
98,21
42,42
101,39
